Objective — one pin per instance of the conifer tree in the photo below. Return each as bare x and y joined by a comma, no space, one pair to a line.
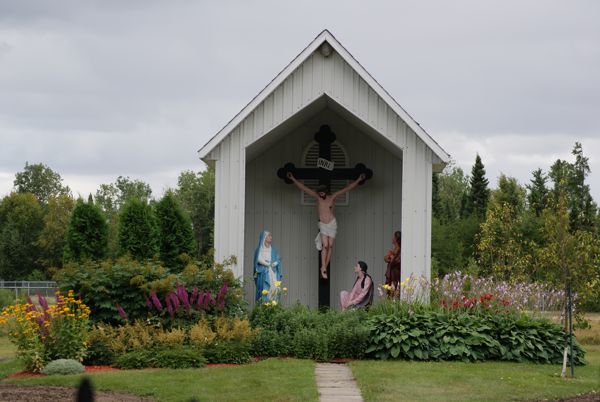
479,193
138,230
175,231
538,193
87,233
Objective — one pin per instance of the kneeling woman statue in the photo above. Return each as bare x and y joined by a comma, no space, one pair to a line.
361,294
267,268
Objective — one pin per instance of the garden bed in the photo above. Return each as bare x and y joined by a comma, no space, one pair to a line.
37,393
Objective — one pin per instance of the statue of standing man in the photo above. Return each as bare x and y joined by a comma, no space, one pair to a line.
327,222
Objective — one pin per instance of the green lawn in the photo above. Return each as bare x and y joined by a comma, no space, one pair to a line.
489,381
268,380
7,349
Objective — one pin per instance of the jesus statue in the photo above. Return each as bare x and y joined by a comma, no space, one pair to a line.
327,223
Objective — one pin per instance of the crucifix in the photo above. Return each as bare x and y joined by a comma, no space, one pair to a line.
325,172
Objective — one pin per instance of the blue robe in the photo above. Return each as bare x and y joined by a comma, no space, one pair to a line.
261,272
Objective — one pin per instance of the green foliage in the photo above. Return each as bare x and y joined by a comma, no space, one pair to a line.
138,230
453,186
103,284
41,181
439,335
479,193
86,234
510,193
63,367
21,221
301,332
52,239
196,193
223,351
111,197
537,197
178,357
175,231
7,297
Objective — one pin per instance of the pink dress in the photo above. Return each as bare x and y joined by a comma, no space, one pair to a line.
356,295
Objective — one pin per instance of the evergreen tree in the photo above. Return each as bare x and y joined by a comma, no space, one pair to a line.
479,193
21,221
138,230
87,233
41,181
537,197
175,231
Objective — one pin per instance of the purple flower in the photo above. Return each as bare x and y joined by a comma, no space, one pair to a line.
200,300
183,296
174,300
206,300
194,295
43,302
221,296
121,312
155,300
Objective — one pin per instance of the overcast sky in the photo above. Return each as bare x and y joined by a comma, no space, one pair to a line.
98,89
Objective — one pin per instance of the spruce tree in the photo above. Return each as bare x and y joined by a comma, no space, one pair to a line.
538,192
87,233
175,231
479,193
138,230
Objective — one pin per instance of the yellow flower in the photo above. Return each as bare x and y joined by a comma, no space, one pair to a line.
267,303
277,283
265,292
285,289
274,303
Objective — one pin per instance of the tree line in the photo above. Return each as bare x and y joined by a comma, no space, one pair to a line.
544,231
42,226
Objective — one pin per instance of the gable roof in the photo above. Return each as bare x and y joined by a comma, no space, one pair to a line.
324,36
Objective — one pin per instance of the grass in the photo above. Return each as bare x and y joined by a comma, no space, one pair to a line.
590,336
488,381
268,380
7,349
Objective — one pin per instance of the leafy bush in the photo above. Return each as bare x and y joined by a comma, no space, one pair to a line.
440,335
222,351
301,332
87,234
161,357
138,230
135,359
132,285
63,367
179,357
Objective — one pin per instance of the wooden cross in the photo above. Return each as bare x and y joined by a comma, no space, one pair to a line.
325,174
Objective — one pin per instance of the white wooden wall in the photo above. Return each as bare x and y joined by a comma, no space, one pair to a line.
335,78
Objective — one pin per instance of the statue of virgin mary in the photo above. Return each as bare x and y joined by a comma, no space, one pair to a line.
267,267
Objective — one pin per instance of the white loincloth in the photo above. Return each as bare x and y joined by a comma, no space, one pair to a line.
327,229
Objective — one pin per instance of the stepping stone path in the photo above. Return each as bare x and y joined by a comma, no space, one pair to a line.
335,383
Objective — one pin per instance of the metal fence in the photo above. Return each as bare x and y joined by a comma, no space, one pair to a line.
30,288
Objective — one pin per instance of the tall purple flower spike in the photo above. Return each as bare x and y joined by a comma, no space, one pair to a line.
155,300
121,312
148,302
169,306
221,296
194,295
43,302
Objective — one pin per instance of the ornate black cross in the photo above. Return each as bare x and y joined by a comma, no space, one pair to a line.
324,137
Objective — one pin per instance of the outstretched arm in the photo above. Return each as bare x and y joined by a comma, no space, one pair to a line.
350,186
301,186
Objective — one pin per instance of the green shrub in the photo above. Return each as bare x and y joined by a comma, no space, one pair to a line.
178,357
135,359
311,344
63,367
221,351
104,284
270,343
138,230
442,335
87,234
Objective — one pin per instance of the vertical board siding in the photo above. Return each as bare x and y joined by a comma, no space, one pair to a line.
374,214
